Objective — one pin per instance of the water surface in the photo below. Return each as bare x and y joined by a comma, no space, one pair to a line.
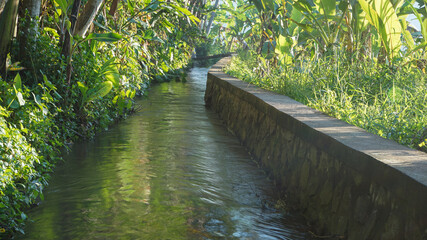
170,171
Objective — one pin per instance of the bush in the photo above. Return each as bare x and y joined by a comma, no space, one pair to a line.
20,181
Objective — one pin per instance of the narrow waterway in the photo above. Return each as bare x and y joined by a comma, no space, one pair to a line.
170,171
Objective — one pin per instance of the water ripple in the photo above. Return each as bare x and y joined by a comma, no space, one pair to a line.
171,171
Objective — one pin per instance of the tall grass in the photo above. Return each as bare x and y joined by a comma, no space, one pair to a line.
390,102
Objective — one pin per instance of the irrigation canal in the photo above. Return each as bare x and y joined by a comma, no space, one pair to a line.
170,171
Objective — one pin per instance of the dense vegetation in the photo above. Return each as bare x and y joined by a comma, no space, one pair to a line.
70,68
360,61
388,103
68,71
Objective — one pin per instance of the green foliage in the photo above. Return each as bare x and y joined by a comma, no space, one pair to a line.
48,105
27,134
20,183
388,102
382,15
283,32
356,60
99,91
104,37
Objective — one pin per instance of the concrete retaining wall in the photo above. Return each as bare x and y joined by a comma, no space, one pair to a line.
347,182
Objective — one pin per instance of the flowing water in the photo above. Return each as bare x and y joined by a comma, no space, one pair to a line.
170,171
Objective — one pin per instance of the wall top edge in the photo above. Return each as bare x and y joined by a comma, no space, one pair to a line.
406,160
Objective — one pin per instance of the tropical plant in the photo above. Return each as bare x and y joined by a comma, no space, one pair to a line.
360,61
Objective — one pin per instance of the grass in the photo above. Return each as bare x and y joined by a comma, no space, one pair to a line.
390,102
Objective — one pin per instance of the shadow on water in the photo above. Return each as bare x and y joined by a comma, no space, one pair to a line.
171,171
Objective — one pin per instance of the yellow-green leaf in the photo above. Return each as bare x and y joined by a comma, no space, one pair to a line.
99,91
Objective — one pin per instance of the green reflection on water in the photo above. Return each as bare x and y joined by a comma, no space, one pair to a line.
171,171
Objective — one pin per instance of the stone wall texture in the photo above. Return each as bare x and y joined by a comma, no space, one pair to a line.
345,181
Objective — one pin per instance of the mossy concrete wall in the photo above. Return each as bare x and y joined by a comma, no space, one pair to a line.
346,182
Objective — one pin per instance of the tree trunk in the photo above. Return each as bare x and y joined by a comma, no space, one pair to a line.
66,48
202,23
86,17
28,26
7,27
33,7
208,28
73,19
113,7
197,8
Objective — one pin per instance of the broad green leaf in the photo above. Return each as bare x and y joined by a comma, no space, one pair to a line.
131,6
48,83
52,31
343,5
424,29
101,26
259,5
104,37
392,24
296,17
82,87
110,72
99,91
167,24
113,76
303,6
132,94
158,40
17,82
396,3
268,4
375,20
115,99
185,11
62,5
326,7
148,34
181,9
13,104
407,35
283,49
381,14
283,44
